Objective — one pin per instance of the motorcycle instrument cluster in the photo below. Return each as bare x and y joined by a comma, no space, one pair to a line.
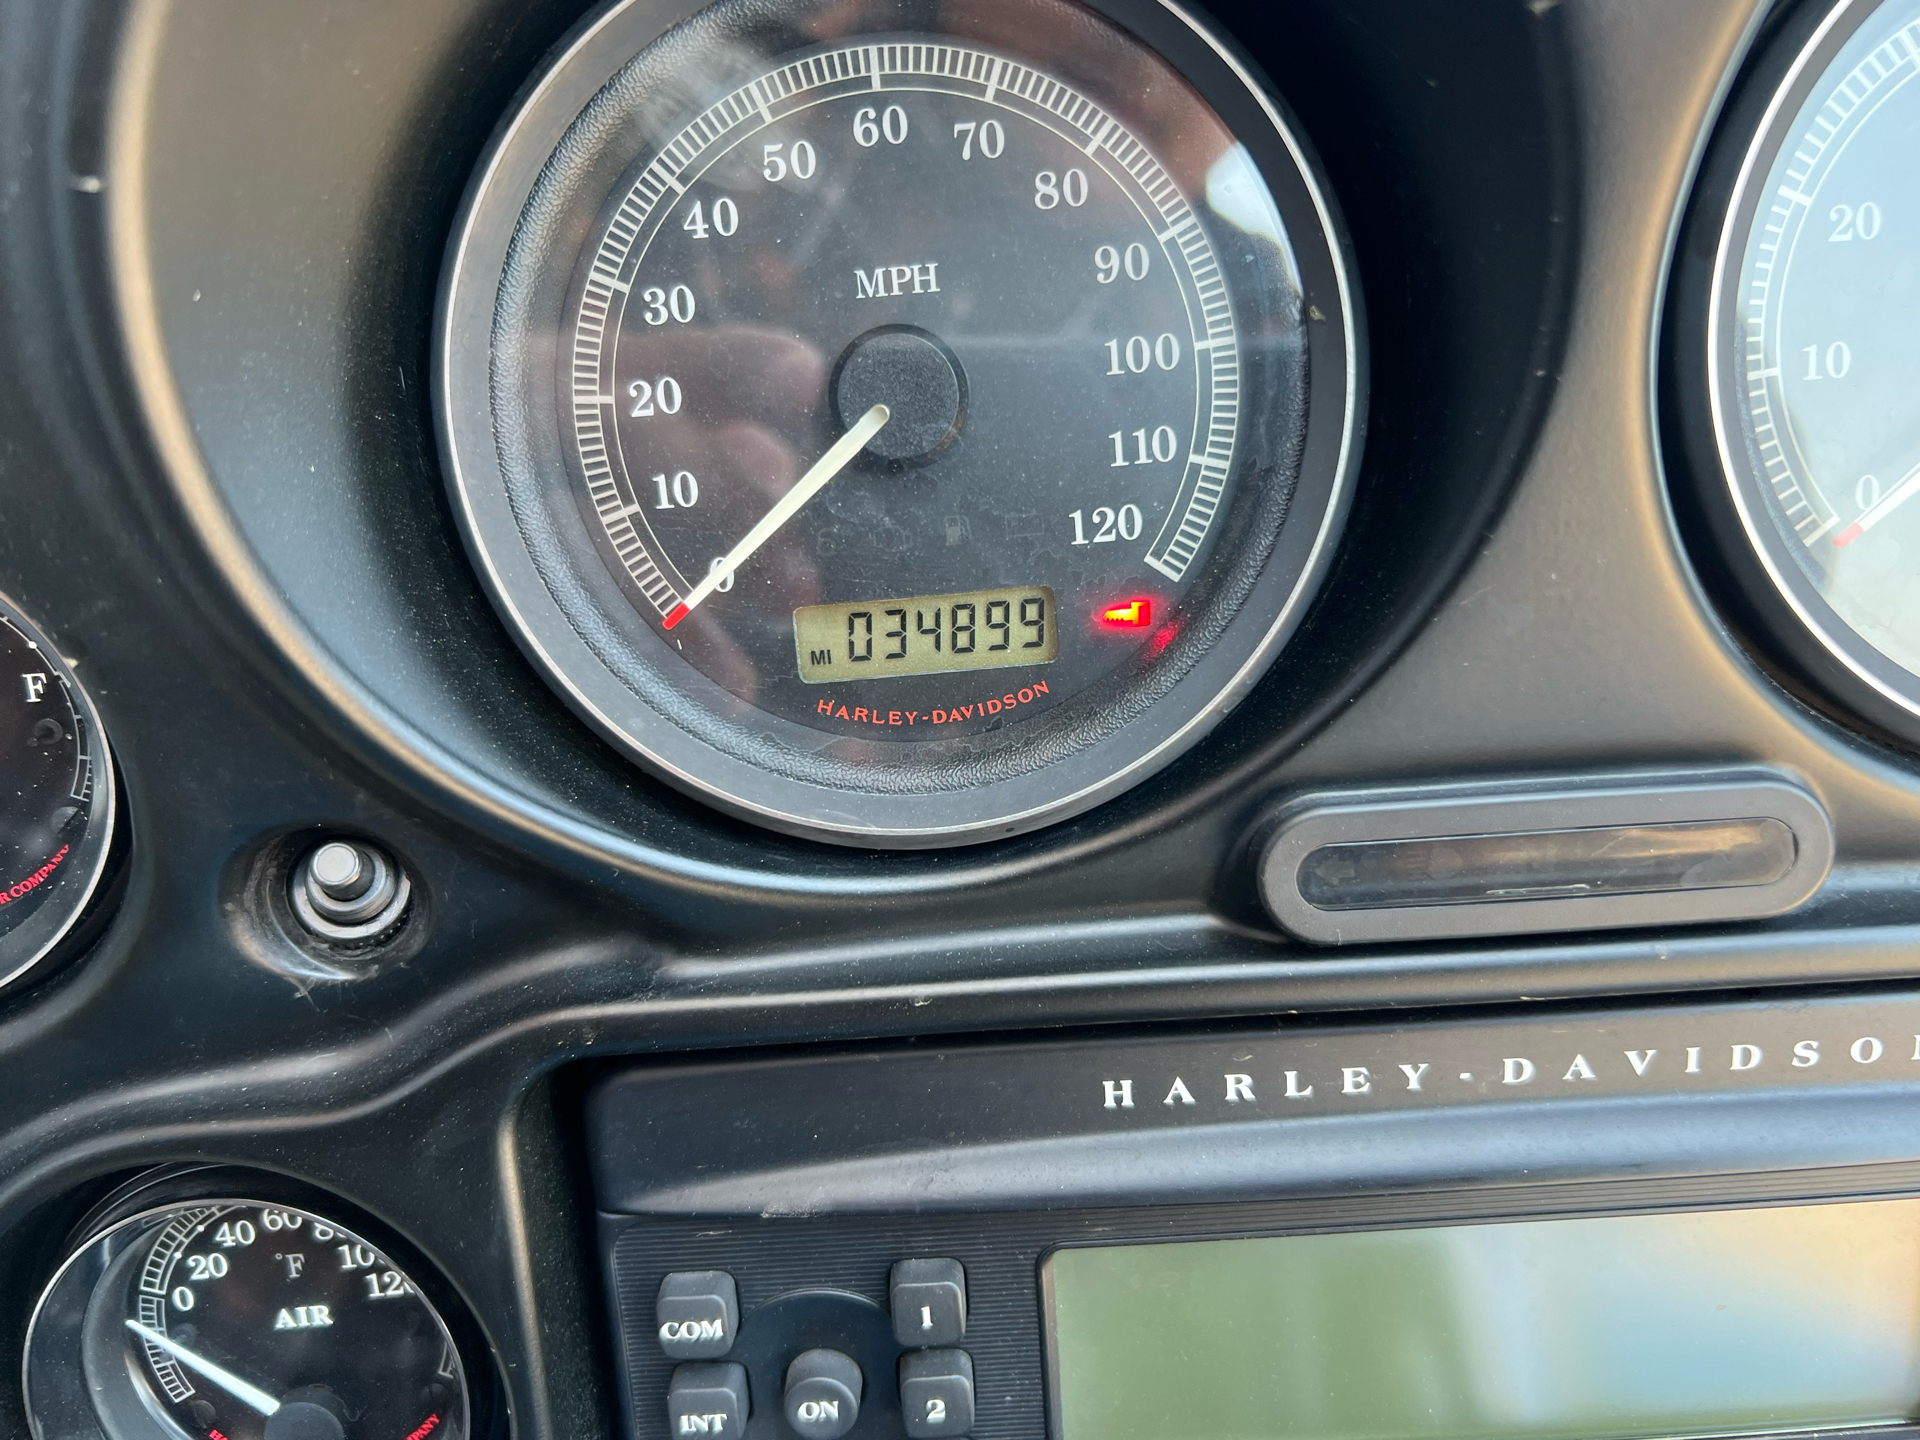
907,424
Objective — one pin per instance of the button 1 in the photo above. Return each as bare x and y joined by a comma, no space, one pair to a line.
929,1301
936,1393
707,1400
823,1394
698,1312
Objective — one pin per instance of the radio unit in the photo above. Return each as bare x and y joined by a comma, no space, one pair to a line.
1607,1226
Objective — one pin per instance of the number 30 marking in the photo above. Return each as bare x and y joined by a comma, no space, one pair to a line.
661,305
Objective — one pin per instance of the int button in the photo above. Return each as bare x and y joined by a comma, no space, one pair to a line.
936,1393
709,1400
823,1394
697,1312
929,1301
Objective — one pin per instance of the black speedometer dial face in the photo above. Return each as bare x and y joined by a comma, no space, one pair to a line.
235,1320
1064,276
898,423
1814,372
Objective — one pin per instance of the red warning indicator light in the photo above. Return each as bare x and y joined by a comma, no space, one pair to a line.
1134,614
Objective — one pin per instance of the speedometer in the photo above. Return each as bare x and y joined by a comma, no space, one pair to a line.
903,424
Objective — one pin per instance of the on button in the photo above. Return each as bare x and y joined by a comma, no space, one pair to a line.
823,1394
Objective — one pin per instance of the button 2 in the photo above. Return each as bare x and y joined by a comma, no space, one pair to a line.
823,1394
936,1393
708,1400
929,1302
697,1312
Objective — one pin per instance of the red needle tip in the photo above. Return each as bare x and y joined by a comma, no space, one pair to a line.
1849,535
676,615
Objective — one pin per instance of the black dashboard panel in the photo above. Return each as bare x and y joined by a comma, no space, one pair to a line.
226,226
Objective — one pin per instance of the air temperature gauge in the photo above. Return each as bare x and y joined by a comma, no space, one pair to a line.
235,1320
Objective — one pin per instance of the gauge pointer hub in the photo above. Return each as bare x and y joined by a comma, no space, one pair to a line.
837,458
250,1395
920,381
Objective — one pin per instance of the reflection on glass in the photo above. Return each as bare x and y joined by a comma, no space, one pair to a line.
1548,864
1721,1323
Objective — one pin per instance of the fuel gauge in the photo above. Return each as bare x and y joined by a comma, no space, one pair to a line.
56,796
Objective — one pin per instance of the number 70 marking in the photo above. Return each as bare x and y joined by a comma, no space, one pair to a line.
993,139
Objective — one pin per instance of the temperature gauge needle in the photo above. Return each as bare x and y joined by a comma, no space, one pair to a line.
812,483
1908,487
225,1379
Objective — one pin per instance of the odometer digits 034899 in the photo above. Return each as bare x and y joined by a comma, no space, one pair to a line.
901,423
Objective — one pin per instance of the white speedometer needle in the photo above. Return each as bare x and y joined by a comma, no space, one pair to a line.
225,1379
1908,487
812,483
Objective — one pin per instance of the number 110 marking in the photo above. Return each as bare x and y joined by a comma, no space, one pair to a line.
1164,444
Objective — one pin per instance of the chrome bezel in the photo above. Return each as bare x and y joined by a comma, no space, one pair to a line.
916,819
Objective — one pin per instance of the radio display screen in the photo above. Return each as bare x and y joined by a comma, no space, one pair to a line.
1726,1322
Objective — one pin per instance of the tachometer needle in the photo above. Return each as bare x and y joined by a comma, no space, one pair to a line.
812,483
1908,487
225,1379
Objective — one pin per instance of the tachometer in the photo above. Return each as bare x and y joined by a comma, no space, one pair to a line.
1811,369
907,424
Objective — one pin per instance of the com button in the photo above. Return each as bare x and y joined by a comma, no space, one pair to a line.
697,1314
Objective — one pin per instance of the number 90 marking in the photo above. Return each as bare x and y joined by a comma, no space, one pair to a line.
1109,263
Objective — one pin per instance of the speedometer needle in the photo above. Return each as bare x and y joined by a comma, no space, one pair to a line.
812,483
1908,487
225,1379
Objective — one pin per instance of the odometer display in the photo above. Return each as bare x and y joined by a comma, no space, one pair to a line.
994,310
926,635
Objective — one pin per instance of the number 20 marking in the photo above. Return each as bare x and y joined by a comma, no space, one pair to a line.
1852,224
664,392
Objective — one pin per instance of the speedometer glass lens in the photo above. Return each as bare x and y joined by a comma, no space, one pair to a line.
902,422
1814,370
